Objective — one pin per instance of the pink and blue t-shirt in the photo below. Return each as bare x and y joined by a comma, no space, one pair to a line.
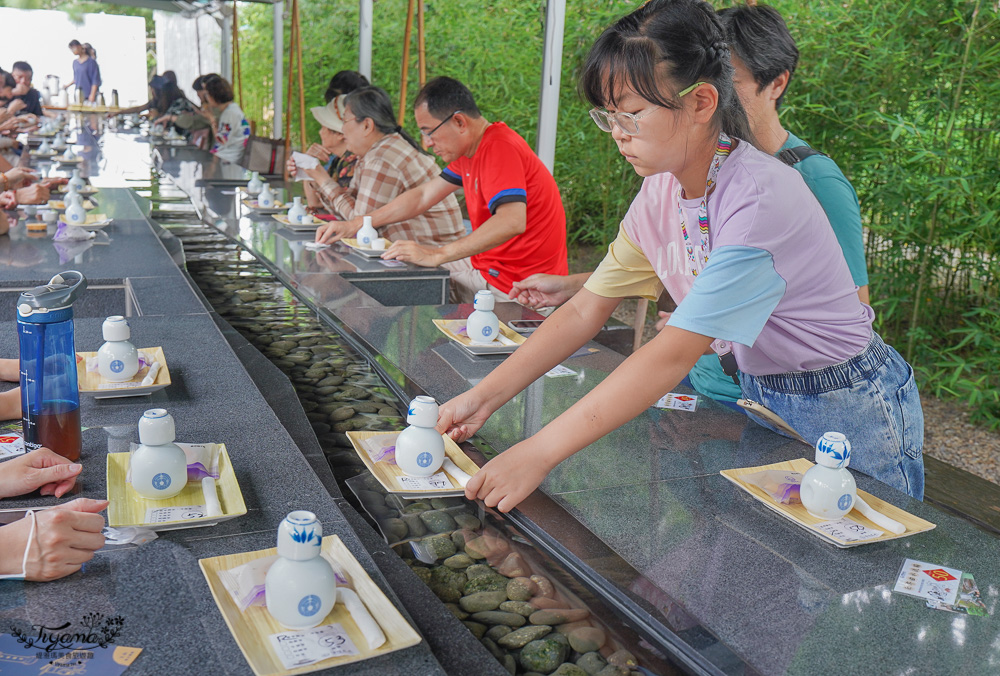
776,284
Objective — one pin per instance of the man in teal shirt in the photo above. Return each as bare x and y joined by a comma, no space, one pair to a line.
764,57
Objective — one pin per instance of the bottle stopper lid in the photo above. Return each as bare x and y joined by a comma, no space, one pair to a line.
833,450
115,329
156,428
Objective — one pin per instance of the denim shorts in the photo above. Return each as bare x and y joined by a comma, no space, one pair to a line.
872,398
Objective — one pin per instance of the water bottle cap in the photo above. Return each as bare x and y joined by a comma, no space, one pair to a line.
156,427
58,294
116,329
484,300
833,450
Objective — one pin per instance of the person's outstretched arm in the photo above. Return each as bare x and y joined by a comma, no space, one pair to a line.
559,336
633,387
411,203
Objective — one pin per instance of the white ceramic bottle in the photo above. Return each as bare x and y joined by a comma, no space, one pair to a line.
420,448
266,197
59,142
117,359
367,234
159,466
300,588
69,155
254,186
828,489
75,213
482,325
76,181
296,212
71,191
45,148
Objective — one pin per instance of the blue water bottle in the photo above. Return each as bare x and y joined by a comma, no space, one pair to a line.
50,396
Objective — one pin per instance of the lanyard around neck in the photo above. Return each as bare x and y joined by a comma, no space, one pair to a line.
722,149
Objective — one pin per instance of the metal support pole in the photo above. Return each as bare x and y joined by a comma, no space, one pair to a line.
227,48
548,110
279,51
366,13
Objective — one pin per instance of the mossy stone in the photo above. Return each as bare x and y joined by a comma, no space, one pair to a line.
423,573
439,546
438,521
499,617
520,589
497,632
491,645
486,584
519,607
468,521
569,669
523,636
544,655
415,525
480,601
416,508
455,610
459,561
395,527
592,663
478,630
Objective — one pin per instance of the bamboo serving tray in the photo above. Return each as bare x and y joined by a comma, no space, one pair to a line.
252,628
798,515
455,329
279,206
367,253
60,205
387,474
296,227
93,383
63,160
128,508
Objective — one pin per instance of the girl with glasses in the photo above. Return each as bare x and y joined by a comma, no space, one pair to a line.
742,246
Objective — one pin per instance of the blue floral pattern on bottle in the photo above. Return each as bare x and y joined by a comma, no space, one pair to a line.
309,605
304,537
161,481
844,502
425,459
117,366
487,330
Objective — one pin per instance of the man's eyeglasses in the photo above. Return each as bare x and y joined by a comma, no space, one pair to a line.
627,122
427,134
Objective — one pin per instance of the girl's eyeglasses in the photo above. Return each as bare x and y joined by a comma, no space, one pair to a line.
627,122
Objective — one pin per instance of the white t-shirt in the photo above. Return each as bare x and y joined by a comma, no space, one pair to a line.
232,134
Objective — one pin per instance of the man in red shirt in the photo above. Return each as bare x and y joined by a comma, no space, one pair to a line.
518,221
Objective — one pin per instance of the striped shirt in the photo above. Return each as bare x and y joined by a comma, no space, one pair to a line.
389,168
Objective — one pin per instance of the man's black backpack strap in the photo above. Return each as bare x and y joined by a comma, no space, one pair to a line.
792,156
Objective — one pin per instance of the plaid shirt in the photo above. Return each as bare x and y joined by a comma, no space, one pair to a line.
389,168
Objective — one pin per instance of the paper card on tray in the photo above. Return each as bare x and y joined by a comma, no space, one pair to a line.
301,648
253,628
843,533
434,482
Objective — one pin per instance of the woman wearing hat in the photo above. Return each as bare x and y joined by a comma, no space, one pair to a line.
331,151
389,163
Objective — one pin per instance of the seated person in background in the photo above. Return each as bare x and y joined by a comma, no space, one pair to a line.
764,57
232,131
331,147
10,401
58,540
173,103
24,91
389,164
518,222
340,165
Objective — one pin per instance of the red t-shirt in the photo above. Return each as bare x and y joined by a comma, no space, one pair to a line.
504,169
